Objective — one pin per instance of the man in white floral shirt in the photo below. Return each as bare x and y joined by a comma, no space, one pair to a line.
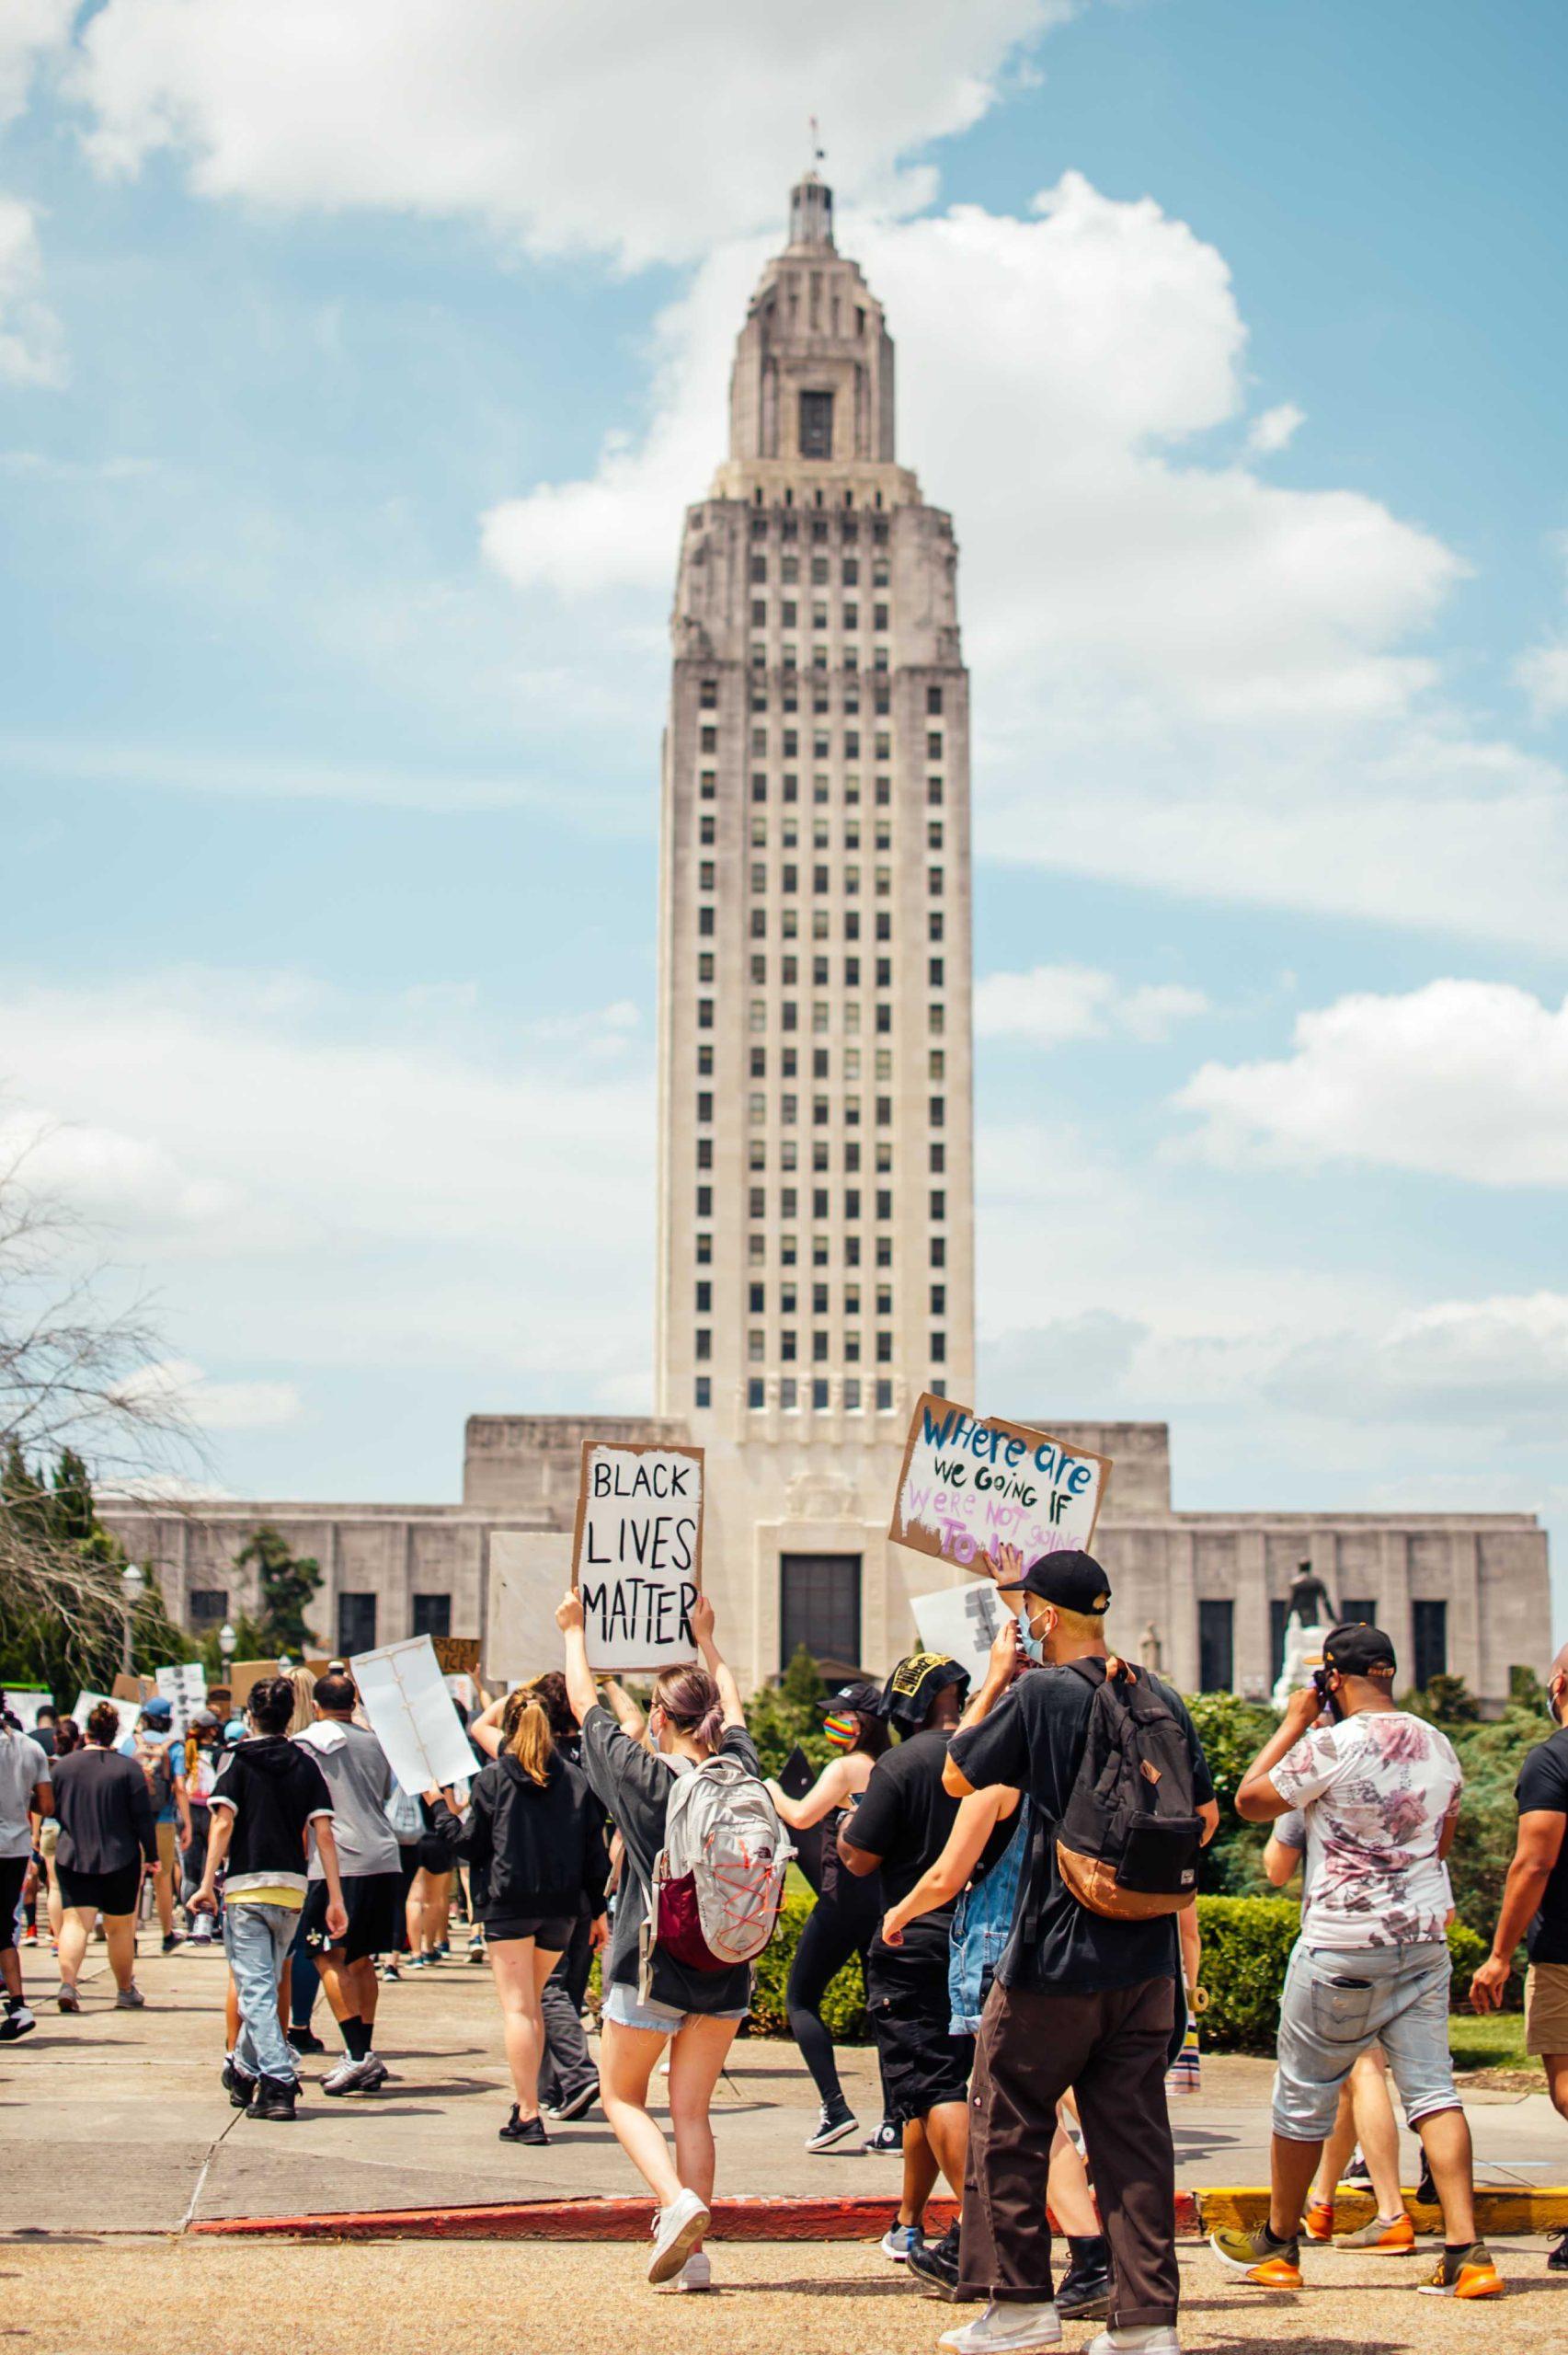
1380,1793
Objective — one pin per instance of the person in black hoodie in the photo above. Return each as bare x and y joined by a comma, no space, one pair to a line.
536,1836
263,1804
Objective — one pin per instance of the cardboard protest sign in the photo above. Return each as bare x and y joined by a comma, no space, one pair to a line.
458,1655
637,1554
970,1483
131,1688
184,1687
411,1715
963,1622
527,1572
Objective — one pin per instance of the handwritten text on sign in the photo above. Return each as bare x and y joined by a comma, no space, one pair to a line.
970,1483
638,1553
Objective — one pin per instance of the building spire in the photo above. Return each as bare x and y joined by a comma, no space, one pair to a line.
811,201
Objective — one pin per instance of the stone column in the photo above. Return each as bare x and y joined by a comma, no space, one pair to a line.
1181,1654
1467,1641
1393,1604
1252,1612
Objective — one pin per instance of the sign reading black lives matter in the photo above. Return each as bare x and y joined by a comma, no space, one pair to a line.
971,1482
637,1554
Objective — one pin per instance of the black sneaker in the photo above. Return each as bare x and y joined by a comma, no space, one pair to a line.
304,2040
935,2263
887,2138
239,2084
1084,2292
171,1940
1426,2189
522,2130
273,2100
836,2124
1557,2261
1358,2172
576,2104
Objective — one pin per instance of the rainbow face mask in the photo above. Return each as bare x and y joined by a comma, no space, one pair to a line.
842,1732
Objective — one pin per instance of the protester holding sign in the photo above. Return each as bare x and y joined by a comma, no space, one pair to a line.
651,1993
844,1921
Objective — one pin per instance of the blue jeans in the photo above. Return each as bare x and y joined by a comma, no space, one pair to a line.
256,1939
1335,2003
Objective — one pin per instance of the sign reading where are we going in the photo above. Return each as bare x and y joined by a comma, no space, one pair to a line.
637,1553
970,1483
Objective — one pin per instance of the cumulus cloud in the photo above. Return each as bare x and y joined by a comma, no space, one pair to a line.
1543,670
185,1390
1276,429
1051,1005
1498,1359
33,344
1463,1079
609,127
29,31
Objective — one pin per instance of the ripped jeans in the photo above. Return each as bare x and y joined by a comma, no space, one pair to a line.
1336,2003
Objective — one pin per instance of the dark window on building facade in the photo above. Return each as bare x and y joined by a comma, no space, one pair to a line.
432,1614
207,1606
1429,1625
816,425
356,1624
1216,1645
820,1607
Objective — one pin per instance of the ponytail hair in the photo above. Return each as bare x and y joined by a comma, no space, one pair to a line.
103,1723
690,1699
525,1729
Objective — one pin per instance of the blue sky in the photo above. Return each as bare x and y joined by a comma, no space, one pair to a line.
355,363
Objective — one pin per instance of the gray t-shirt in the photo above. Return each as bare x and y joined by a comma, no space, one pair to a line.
359,1779
22,1765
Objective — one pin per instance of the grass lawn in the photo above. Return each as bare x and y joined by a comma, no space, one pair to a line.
1496,2041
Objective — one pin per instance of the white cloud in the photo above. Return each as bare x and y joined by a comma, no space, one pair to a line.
1503,1360
1543,670
185,1390
1051,1005
30,31
1186,677
1463,1079
1275,429
608,126
32,345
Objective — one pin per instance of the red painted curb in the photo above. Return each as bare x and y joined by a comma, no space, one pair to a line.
805,2219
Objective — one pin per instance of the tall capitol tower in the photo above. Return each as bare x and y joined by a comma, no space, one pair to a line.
815,1154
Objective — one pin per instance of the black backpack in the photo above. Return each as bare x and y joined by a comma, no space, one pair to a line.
1127,1846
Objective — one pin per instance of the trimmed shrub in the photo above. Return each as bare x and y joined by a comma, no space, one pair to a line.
844,2005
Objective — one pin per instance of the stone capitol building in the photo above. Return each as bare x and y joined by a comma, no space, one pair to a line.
816,1168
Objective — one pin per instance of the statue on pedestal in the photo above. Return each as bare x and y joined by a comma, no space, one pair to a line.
1151,1651
1309,1621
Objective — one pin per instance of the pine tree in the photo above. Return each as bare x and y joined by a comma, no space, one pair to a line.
286,1584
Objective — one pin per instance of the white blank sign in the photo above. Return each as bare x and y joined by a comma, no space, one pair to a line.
411,1715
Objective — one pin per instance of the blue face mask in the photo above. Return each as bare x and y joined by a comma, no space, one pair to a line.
1033,1645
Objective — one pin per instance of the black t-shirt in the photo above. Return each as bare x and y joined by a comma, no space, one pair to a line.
904,1817
1034,1738
1542,1790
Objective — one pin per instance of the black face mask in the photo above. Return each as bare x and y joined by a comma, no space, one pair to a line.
1329,1698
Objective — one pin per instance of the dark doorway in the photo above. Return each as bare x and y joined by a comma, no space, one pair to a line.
1430,1628
1216,1646
820,1607
816,425
356,1624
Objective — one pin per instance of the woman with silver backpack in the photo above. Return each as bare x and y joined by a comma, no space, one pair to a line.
705,1863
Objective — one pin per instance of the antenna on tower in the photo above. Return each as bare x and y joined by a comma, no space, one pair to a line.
819,152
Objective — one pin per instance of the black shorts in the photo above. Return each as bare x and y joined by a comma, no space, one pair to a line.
552,1932
435,1855
13,1872
371,1900
908,2003
113,1893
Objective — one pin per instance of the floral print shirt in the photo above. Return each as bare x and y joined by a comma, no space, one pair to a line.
1375,1790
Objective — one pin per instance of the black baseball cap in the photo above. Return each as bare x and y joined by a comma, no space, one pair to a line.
1359,1649
868,1700
915,1683
1072,1581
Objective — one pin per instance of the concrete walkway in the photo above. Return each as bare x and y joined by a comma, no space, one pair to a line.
143,2087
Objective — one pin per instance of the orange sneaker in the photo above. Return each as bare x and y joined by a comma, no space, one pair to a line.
1464,2273
1320,2219
1266,2263
1385,2237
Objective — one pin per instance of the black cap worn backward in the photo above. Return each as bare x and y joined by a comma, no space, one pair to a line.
915,1683
1359,1649
1073,1581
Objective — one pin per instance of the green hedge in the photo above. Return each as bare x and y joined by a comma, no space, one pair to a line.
1246,1944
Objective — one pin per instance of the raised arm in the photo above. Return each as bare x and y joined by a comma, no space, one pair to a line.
624,1710
1257,1800
581,1691
484,1731
831,1789
728,1691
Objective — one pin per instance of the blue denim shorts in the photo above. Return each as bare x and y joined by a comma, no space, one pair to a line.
1335,2003
627,2008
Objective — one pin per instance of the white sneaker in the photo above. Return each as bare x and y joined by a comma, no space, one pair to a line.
674,2229
1137,2338
354,2076
1005,2330
697,2273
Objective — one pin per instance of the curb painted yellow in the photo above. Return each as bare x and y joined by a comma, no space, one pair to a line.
1543,2208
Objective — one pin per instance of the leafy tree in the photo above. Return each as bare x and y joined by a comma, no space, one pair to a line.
248,1645
73,1635
1447,1700
780,1716
1232,1731
286,1584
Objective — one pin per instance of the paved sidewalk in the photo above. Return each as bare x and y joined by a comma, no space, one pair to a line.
145,2084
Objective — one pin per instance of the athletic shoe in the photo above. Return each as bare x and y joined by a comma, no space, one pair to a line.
30,1936
129,1999
675,2229
897,2241
274,2100
67,1998
1136,2338
239,2084
577,2104
1464,2273
1357,2174
697,2273
352,2077
1426,2189
1320,2219
1005,2330
1258,2257
390,1970
835,2125
888,2140
1557,2261
477,1947
442,1953
415,1963
1385,2237
934,2264
522,2130
18,2021
1083,2293
304,2040
171,1939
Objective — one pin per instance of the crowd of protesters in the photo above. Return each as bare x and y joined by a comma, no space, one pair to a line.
1030,1985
